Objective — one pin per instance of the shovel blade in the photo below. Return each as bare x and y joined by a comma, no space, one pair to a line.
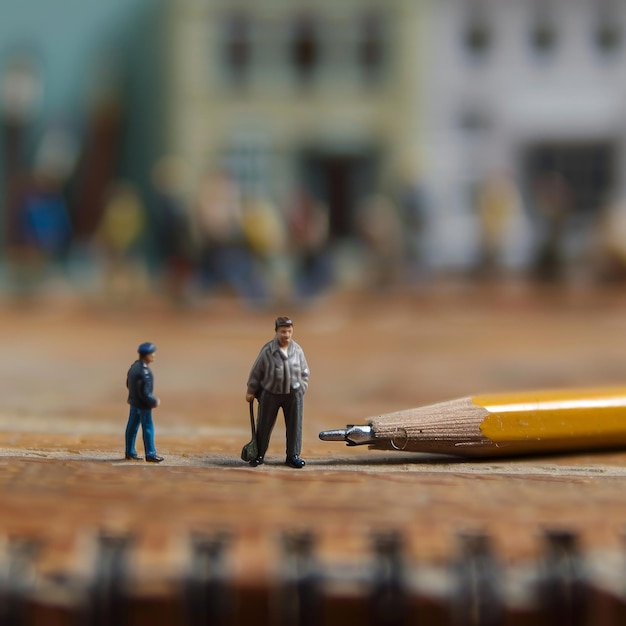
249,452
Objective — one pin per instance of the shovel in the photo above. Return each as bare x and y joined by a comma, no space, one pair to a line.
249,451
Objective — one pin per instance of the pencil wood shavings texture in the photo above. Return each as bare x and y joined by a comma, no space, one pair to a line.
441,428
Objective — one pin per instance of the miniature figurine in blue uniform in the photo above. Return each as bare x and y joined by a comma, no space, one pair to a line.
142,400
279,378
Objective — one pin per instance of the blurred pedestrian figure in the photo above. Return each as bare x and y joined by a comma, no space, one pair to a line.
379,229
44,233
553,201
45,219
308,232
225,258
41,235
20,96
173,235
413,207
120,236
609,250
266,235
497,206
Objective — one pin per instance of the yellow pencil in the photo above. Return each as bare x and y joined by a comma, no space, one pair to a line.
500,424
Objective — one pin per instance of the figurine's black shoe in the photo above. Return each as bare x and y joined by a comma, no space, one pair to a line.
295,461
133,457
154,459
258,461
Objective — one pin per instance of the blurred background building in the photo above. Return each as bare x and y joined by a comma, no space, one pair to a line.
321,95
525,96
299,102
276,149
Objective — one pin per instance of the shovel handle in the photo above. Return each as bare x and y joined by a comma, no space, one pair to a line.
252,426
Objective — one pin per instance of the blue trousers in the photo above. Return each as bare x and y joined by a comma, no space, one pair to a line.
136,418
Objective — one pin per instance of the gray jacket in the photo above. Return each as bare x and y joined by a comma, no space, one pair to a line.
279,373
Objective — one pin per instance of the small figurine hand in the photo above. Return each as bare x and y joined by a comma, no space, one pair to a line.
249,397
158,402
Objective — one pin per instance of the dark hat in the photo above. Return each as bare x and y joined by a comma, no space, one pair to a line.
282,321
146,348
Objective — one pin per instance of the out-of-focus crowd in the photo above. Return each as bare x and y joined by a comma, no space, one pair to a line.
190,242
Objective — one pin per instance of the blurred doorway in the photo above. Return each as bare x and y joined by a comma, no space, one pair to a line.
568,185
588,169
341,181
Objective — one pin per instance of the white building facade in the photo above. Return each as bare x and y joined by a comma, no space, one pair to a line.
521,88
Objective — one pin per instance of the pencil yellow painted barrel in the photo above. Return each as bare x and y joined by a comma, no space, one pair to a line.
556,415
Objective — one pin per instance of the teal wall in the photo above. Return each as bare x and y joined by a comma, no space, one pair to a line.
68,36
70,40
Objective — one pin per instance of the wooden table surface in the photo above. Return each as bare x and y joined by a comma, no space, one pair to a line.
64,481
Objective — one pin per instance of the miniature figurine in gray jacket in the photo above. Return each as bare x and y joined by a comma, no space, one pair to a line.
142,400
279,379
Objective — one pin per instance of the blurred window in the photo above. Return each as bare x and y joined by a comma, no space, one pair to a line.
305,51
543,31
589,169
338,41
477,34
247,157
477,37
608,33
371,46
237,46
270,38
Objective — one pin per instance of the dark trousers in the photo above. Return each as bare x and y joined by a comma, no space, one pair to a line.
291,404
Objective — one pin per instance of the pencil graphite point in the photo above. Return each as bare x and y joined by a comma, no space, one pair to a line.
352,435
334,435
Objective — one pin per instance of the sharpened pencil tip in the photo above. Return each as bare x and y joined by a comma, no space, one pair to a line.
352,435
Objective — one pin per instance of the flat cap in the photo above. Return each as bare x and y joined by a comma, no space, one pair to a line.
282,321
